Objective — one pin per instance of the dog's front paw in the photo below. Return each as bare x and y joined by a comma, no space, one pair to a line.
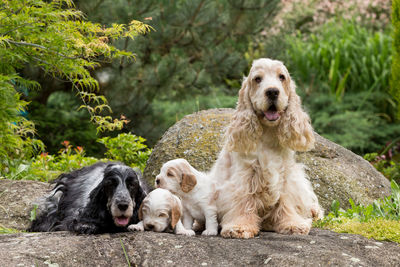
236,231
186,232
210,232
136,227
294,228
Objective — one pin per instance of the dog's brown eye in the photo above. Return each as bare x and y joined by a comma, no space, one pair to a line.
169,174
282,77
163,215
257,79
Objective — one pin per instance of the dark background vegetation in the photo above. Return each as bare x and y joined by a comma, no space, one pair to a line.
199,50
338,52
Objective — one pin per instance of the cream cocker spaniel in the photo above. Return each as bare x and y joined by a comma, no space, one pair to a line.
161,211
197,192
261,187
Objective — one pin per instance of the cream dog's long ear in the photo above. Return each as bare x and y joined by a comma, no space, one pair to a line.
176,211
295,130
244,129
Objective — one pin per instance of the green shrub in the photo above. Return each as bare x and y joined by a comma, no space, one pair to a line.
46,167
395,78
127,148
342,71
54,37
59,119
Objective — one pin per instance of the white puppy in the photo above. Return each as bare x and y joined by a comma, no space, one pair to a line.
161,211
196,190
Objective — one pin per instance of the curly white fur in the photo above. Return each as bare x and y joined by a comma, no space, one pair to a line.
261,186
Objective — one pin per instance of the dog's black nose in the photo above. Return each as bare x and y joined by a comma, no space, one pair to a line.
272,93
123,206
157,181
150,226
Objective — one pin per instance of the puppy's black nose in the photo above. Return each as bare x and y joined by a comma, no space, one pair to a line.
150,226
272,93
123,206
157,181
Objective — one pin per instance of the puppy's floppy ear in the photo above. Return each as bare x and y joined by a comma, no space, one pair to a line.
295,130
245,128
189,181
176,211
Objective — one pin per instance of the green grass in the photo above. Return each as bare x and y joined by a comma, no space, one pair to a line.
5,230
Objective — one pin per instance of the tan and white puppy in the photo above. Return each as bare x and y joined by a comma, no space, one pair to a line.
196,190
161,211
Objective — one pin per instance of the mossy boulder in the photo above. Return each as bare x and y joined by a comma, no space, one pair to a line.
335,172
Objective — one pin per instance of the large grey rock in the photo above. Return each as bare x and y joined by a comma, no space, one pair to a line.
320,248
335,172
16,199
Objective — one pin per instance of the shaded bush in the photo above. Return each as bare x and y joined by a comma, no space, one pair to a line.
343,76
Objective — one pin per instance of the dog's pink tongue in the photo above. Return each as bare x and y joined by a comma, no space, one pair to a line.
271,115
122,220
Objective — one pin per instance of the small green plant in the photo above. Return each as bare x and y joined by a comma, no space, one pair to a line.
33,213
379,220
386,208
127,148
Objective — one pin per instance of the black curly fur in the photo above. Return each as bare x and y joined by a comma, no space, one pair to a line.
80,201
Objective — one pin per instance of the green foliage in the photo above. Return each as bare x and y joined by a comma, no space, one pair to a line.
395,78
196,47
127,148
52,36
380,220
387,208
5,230
388,161
59,119
46,167
343,71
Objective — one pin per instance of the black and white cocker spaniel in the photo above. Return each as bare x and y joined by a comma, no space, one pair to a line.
103,197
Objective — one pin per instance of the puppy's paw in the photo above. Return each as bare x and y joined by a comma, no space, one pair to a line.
239,231
186,232
136,227
210,232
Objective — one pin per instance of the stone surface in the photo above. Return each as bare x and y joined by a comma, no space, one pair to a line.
335,172
320,248
16,199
